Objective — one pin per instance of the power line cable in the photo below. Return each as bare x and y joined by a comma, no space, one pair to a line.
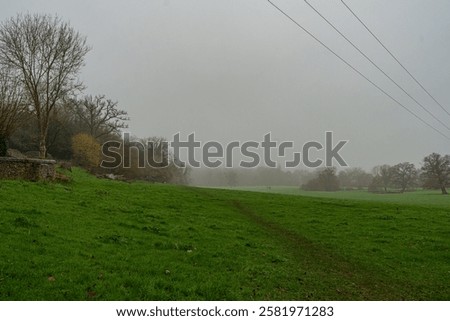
357,71
396,59
375,65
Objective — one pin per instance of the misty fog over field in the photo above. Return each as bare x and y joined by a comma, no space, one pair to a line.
238,69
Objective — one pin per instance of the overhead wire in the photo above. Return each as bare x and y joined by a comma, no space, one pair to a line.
376,66
357,71
396,59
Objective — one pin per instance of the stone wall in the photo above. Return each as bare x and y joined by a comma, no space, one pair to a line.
27,169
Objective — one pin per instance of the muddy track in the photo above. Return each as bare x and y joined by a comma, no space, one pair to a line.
356,280
305,251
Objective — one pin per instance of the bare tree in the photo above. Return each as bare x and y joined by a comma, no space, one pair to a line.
326,180
48,55
12,106
231,177
100,116
383,176
436,168
354,178
404,175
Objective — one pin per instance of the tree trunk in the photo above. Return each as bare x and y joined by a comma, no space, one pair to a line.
444,191
42,146
3,146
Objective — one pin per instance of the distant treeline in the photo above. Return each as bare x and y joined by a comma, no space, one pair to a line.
433,174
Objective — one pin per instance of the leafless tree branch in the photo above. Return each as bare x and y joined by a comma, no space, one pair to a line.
47,54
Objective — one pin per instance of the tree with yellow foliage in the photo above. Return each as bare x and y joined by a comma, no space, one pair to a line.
86,151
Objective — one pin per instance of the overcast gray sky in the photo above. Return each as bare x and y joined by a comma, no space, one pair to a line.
237,69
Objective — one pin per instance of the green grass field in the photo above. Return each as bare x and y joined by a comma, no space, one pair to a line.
96,239
419,197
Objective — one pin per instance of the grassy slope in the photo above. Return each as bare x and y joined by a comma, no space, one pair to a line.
105,240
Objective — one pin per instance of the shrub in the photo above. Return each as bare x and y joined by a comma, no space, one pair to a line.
86,151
